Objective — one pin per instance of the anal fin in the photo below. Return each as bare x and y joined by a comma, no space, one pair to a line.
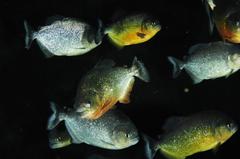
194,78
104,108
125,99
170,156
46,52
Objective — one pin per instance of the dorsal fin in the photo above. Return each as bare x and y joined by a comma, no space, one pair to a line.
173,122
105,63
197,47
54,18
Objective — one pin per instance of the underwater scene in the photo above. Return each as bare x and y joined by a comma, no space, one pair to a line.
119,79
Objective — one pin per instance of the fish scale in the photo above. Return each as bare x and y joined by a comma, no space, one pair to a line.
65,37
105,85
209,61
114,130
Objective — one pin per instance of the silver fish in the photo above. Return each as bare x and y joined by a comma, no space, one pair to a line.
209,61
65,37
112,131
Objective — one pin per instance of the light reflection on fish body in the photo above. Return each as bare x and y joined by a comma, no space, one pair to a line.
114,130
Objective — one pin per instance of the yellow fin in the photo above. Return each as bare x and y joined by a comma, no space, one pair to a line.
125,99
169,156
115,43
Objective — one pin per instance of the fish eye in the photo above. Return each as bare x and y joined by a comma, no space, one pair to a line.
228,125
88,105
154,23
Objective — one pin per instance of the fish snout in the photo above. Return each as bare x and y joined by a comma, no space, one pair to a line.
125,137
233,127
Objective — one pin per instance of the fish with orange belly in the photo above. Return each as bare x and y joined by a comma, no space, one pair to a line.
225,15
132,30
105,85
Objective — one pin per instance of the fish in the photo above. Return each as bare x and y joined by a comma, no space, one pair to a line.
102,87
65,36
225,15
114,130
59,139
133,29
208,61
186,135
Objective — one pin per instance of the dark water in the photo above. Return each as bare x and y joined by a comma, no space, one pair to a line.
28,81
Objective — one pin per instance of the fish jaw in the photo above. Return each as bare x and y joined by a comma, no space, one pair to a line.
127,144
133,36
227,33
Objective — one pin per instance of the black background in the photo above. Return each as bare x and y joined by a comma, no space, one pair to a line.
28,81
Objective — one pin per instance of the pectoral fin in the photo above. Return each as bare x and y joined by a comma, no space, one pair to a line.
216,148
127,93
231,72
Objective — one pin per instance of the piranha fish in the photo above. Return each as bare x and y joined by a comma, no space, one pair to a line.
225,15
105,85
114,130
132,29
209,61
59,139
185,136
65,37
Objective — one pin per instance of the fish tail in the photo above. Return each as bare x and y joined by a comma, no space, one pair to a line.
140,70
209,8
151,147
29,35
100,32
55,118
177,66
59,139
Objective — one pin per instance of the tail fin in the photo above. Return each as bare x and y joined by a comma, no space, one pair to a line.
209,6
59,139
29,35
55,118
100,32
141,71
177,66
150,146
113,38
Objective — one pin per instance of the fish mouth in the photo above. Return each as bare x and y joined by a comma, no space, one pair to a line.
134,141
235,129
131,142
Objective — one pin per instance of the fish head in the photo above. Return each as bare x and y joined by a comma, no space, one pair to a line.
225,129
99,33
229,27
234,60
150,26
88,104
124,136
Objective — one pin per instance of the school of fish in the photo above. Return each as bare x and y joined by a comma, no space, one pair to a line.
94,118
